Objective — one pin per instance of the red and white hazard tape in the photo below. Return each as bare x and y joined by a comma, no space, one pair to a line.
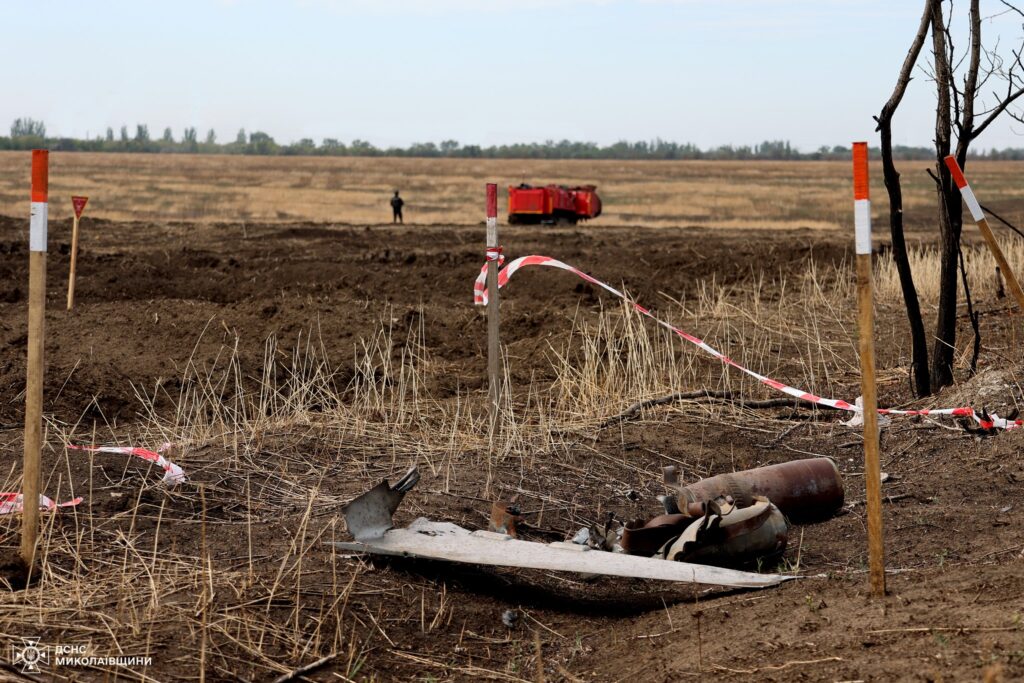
480,298
13,503
172,473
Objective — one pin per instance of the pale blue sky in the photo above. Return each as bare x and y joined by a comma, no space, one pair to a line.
479,71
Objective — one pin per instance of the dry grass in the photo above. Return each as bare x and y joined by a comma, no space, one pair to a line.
800,331
747,195
925,264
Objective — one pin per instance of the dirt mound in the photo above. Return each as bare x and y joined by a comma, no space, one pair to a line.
997,389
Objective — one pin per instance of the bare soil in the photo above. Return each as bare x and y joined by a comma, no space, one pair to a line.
952,518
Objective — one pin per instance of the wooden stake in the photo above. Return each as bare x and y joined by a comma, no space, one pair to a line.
74,261
34,374
866,331
78,203
983,226
872,464
1004,267
493,339
204,595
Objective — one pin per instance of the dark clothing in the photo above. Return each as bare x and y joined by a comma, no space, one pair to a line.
396,209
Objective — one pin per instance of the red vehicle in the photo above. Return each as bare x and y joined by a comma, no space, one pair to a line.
552,204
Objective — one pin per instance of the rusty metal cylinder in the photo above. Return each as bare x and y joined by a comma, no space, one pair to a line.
809,490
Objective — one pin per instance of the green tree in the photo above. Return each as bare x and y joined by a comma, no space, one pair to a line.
190,139
261,143
28,128
211,137
363,148
332,146
304,147
141,133
423,149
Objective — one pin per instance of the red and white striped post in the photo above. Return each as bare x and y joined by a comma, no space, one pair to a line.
979,217
866,330
34,380
493,340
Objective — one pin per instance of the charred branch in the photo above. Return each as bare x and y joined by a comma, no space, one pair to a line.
705,394
893,186
949,208
971,314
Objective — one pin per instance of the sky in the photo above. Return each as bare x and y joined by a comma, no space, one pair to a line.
485,72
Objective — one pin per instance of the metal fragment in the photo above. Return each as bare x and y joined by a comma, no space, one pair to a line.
739,537
807,490
445,541
369,515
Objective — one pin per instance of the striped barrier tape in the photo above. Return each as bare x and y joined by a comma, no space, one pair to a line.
12,503
984,420
172,473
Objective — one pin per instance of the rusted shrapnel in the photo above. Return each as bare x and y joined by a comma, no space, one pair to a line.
647,538
639,538
808,490
722,535
741,536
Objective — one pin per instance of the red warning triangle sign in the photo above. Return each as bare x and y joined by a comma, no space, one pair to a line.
79,204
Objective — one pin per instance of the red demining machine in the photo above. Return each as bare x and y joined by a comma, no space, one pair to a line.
552,204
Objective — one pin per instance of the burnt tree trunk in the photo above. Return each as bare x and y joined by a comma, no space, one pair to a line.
950,220
919,343
972,314
950,227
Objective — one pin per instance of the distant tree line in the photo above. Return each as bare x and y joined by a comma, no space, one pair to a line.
28,133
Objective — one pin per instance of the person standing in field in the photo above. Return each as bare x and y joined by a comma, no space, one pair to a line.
396,208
